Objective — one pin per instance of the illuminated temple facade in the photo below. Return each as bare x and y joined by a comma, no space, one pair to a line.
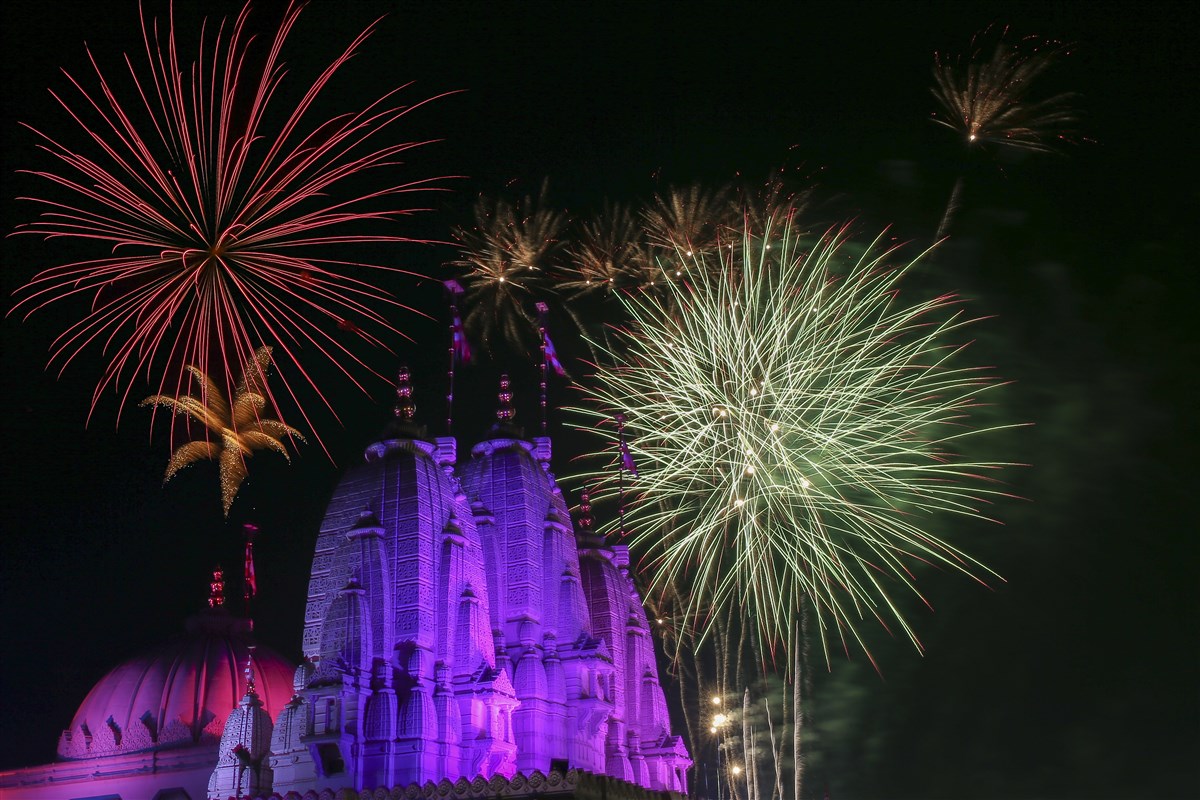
460,634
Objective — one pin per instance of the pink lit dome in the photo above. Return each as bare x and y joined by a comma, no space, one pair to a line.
179,694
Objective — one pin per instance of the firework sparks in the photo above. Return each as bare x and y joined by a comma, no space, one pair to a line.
987,100
794,426
240,426
608,255
688,220
215,223
505,262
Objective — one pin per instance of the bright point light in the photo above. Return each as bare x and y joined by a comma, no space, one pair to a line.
737,770
720,719
716,700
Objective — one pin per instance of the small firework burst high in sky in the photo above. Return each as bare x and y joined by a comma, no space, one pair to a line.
795,423
218,220
988,100
505,263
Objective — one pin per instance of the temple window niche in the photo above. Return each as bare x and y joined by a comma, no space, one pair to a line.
332,762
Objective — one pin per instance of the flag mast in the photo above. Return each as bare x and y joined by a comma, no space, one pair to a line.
249,583
457,350
543,310
624,464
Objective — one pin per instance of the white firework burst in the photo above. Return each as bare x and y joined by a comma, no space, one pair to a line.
795,426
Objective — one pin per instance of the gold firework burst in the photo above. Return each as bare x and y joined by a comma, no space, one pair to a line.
504,263
988,100
240,427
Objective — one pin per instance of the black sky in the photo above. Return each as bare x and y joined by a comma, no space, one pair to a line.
1075,679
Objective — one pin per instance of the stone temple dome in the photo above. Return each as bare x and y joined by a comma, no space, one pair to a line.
179,694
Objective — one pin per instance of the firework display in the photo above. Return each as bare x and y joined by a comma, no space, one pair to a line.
607,254
795,423
987,99
504,263
241,427
219,219
793,438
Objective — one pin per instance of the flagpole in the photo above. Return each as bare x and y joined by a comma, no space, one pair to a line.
621,448
624,464
543,309
450,369
453,290
249,583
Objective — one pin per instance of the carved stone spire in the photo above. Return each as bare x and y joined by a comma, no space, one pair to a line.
242,768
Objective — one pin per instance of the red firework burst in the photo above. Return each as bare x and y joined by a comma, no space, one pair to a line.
217,224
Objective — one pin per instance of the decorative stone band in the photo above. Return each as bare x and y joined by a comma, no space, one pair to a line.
572,785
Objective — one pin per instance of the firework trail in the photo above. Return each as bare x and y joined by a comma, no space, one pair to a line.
795,425
987,100
216,213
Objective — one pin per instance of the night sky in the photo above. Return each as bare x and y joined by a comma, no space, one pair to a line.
1075,678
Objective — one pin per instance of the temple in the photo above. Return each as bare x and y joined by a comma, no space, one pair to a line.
460,633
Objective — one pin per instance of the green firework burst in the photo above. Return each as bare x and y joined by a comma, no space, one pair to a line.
796,425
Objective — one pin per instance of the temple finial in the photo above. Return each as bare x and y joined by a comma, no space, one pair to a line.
216,588
249,672
403,424
405,409
585,514
505,411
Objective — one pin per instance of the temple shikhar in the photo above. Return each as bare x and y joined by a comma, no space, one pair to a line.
461,634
